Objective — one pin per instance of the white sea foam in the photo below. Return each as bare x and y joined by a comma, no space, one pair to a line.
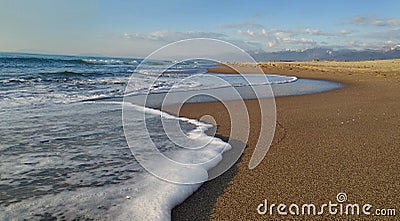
110,61
161,196
145,197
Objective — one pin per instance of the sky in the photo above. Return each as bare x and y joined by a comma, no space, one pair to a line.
130,28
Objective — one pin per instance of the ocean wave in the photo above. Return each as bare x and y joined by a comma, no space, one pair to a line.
109,62
96,175
157,63
170,71
43,60
204,82
168,194
46,59
63,73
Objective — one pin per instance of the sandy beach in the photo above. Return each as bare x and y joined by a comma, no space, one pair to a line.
341,141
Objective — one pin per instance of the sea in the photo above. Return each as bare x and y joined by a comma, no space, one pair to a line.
63,151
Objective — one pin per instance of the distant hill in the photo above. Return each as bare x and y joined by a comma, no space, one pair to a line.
328,54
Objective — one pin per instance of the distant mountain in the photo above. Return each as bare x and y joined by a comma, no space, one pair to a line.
328,54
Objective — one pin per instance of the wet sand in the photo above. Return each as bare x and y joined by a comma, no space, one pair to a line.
341,141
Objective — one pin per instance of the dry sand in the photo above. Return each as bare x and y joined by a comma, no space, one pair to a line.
347,140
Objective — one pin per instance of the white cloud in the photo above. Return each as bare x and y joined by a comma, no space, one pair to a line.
371,20
246,33
167,36
346,32
256,37
241,25
392,34
279,39
315,32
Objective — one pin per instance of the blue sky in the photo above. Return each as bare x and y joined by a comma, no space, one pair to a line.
136,28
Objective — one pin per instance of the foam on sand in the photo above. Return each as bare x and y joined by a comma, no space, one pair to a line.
141,197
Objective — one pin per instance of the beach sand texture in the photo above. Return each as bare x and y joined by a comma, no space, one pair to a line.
341,141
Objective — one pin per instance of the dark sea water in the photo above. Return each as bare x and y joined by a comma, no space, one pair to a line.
63,151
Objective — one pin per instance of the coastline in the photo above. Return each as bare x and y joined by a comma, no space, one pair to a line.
326,143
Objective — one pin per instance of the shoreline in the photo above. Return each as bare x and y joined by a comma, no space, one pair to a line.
300,165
